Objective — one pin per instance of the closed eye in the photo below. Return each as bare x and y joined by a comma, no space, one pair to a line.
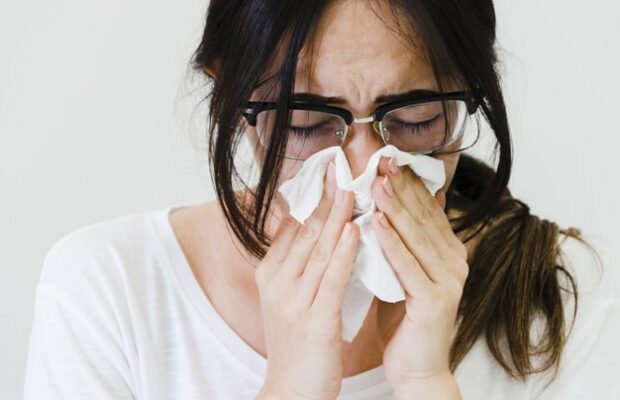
417,127
309,131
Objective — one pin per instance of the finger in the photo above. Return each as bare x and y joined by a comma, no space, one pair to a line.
309,233
414,279
285,235
426,210
330,293
408,186
398,190
271,263
431,206
329,181
322,253
414,236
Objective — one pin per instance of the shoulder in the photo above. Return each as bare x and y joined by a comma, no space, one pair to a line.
100,253
93,305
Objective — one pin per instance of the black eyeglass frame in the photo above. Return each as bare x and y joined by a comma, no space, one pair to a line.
251,109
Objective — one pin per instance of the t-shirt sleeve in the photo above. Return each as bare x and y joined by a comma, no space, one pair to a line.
591,357
76,348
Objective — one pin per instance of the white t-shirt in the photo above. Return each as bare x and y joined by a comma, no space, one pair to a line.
120,315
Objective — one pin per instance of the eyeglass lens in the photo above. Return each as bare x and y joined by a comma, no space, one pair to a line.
423,128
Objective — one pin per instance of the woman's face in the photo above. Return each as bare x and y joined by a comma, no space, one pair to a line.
359,57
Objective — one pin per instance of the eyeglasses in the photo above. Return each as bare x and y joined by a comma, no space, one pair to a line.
424,123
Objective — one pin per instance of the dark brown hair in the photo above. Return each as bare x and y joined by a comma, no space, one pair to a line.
513,273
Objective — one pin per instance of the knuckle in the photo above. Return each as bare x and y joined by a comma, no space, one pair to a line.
395,211
420,238
288,222
423,216
398,184
308,231
454,290
319,254
436,212
430,203
463,268
461,249
390,241
396,207
325,198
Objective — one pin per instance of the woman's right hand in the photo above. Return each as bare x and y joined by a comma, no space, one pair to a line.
301,282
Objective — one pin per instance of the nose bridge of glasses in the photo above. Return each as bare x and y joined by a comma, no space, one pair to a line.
364,142
363,120
370,119
375,126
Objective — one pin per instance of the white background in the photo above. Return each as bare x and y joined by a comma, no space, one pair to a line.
97,120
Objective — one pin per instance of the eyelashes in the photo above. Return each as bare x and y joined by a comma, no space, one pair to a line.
324,128
417,127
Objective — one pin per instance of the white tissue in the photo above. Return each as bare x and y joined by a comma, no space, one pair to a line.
372,274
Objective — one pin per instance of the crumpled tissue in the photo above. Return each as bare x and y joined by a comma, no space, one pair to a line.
372,274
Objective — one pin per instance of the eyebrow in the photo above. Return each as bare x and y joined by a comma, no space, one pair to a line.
318,99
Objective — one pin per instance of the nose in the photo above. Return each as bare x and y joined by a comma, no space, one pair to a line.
361,142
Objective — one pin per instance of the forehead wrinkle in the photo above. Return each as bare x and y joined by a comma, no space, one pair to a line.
352,87
365,61
405,74
358,88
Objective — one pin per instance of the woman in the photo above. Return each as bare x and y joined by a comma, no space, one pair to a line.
165,305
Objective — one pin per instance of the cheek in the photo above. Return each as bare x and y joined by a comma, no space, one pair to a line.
288,170
450,162
255,144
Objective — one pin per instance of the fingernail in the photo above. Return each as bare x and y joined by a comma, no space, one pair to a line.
387,187
339,196
383,221
394,170
346,233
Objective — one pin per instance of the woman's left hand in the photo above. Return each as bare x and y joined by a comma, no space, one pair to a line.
431,265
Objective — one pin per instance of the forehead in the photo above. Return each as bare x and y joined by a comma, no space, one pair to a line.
362,50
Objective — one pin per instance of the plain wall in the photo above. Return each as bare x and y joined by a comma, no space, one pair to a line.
97,121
